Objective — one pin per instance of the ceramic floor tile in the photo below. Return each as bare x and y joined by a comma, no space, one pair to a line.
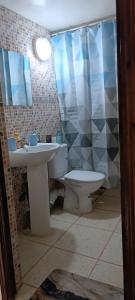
108,203
108,273
118,228
56,231
59,259
100,219
25,292
84,240
114,192
113,251
30,253
61,215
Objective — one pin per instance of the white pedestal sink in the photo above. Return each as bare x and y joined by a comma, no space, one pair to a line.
35,158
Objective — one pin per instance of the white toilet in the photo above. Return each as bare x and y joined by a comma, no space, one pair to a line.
79,184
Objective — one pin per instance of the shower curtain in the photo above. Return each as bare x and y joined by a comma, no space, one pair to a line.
86,76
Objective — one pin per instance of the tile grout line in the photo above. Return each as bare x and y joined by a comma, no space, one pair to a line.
49,248
36,263
53,245
70,225
98,259
87,226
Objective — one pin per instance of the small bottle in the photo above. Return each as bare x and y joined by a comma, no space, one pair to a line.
48,138
33,139
59,136
17,137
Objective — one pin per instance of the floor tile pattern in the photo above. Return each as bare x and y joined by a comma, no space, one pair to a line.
89,245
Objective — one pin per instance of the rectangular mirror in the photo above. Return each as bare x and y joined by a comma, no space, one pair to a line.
15,78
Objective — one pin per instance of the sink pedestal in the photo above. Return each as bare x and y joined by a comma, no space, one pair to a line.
39,198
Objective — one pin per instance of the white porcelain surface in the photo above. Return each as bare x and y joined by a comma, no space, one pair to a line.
84,176
36,158
32,155
79,184
78,193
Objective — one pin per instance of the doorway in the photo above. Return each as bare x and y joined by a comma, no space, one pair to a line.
7,277
126,50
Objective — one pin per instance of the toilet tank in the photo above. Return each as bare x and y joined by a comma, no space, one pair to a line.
58,166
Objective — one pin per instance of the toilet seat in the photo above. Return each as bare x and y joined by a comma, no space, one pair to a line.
84,176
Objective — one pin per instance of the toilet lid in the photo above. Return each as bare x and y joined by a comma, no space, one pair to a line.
84,176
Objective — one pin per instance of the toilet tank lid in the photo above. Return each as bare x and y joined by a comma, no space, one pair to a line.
84,176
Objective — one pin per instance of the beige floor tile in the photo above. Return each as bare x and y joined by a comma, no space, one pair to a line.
59,259
100,219
61,215
114,192
57,230
84,240
113,251
30,253
108,273
25,292
118,228
108,203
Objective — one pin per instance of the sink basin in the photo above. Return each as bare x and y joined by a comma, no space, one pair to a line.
32,155
35,158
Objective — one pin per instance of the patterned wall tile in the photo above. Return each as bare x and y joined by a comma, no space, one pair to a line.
18,34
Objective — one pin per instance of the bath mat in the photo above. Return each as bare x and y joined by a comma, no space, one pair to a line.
62,285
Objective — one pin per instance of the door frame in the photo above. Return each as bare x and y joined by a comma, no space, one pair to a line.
7,275
126,86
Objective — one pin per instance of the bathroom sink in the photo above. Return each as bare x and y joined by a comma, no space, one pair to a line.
32,155
35,158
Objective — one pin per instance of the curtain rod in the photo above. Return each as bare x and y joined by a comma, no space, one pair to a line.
84,25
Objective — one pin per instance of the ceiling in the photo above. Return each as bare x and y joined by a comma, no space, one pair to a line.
60,14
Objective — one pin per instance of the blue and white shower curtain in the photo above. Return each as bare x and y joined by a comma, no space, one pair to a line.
86,75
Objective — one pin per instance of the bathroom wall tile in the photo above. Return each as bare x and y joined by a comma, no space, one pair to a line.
108,203
108,273
25,292
58,228
84,240
30,253
59,259
10,198
100,219
113,251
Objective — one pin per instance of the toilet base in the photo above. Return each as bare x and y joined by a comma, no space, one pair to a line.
77,204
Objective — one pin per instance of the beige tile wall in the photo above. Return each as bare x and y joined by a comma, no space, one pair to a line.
18,33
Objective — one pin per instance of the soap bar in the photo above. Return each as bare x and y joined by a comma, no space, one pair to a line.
12,144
